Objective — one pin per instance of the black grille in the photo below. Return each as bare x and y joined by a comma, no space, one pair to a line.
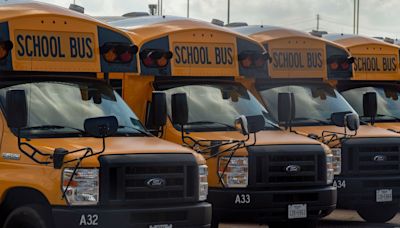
271,166
371,158
124,178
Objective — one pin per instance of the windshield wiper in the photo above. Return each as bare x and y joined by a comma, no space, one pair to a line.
136,129
211,122
51,127
393,117
311,119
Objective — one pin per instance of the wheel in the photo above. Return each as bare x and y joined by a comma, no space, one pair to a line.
378,213
29,216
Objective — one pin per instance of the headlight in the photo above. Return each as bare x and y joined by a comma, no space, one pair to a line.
84,187
329,169
337,160
203,182
236,172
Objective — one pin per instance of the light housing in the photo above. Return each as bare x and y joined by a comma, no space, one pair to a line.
118,52
84,187
236,174
203,182
339,63
329,169
252,59
337,160
5,48
155,58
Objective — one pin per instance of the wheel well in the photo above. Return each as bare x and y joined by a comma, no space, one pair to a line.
20,196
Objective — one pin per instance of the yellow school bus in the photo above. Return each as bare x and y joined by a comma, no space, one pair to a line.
298,90
261,174
72,152
376,74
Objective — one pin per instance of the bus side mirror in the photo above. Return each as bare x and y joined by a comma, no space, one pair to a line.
249,124
352,121
286,108
16,109
346,119
180,109
159,109
101,127
370,104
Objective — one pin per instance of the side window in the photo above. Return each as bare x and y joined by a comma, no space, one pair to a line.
116,84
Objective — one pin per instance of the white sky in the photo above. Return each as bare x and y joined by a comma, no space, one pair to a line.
377,17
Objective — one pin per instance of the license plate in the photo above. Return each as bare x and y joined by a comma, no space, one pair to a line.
297,211
384,195
161,226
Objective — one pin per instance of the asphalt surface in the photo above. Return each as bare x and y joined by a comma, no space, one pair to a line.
339,218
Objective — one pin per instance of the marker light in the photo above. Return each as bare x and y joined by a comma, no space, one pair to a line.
118,52
155,58
252,59
5,48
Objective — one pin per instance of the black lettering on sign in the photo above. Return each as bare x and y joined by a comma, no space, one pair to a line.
203,55
295,60
375,64
54,46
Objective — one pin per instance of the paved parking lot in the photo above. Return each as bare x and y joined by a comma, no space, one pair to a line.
339,218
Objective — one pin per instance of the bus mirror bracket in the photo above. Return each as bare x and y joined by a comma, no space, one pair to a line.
286,109
159,112
370,106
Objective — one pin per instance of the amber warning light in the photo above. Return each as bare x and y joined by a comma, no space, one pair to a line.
5,48
340,63
118,52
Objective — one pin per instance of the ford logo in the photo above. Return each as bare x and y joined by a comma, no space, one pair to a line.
293,169
380,158
156,183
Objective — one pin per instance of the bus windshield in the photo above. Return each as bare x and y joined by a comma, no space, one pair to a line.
216,106
315,103
387,99
59,108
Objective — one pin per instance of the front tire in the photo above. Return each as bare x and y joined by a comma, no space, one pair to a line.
378,213
29,216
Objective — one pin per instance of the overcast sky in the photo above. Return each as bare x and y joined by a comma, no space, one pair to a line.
377,17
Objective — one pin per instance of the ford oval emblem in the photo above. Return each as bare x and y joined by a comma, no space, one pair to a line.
156,183
380,158
292,169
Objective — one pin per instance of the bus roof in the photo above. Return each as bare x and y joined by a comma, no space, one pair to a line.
350,40
150,27
23,9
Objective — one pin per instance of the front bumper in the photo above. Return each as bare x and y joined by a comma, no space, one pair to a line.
269,206
197,215
356,192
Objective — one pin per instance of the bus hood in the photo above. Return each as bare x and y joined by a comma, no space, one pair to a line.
114,145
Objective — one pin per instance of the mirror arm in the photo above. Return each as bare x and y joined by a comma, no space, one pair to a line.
35,150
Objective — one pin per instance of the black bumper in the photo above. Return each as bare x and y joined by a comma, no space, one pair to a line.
267,206
198,215
361,191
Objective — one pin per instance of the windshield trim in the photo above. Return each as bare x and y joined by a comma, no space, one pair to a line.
170,83
265,84
9,81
